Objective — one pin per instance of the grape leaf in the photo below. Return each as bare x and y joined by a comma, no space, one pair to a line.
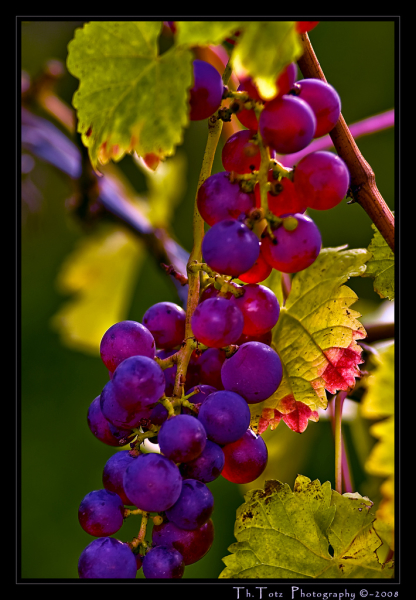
381,266
315,338
129,96
204,33
311,532
100,275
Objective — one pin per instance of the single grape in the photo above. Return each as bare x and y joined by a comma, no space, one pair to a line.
125,339
194,506
225,416
323,100
166,322
207,466
113,474
192,545
152,482
241,153
304,26
101,513
230,247
219,198
245,459
138,383
287,124
216,322
163,562
107,558
259,307
254,371
210,291
258,272
159,414
282,199
117,415
293,249
264,338
182,438
103,429
206,92
209,367
321,180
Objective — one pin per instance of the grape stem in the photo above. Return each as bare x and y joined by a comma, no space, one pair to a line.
363,185
340,456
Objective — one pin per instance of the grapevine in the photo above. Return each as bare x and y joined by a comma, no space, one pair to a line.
193,386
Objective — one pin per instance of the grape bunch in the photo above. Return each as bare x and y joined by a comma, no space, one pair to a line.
175,443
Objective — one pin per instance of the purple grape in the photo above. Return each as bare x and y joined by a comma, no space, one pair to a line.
225,416
163,562
101,513
260,308
230,247
210,363
287,124
138,383
166,322
254,371
323,100
152,482
192,545
294,249
182,438
107,558
216,322
194,506
113,473
245,459
199,397
103,429
116,414
218,199
125,339
240,152
321,180
207,466
206,92
159,414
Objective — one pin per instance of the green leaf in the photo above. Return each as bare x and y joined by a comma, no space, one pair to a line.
315,338
311,532
381,265
129,97
204,33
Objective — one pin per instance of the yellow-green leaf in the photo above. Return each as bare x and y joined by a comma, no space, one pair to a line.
100,275
315,338
381,266
204,33
311,532
128,98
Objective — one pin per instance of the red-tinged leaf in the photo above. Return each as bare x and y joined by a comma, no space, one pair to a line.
298,419
342,370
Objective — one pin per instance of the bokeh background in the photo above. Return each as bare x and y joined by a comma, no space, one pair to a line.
60,460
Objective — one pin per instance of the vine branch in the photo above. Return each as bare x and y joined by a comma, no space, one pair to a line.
363,184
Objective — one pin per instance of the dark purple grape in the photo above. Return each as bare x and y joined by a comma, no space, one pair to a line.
218,199
199,397
193,545
230,247
101,513
152,482
116,414
182,438
103,429
125,339
260,308
324,100
321,180
159,414
163,562
138,383
166,322
194,506
297,244
207,466
170,372
217,323
254,371
206,92
245,459
107,558
210,363
287,124
113,473
225,416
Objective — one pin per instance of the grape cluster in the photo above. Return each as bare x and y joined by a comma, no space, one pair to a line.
178,443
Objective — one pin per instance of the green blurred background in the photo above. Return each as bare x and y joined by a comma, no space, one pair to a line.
60,460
